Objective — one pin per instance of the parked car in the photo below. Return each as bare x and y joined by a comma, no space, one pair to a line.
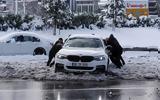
82,53
18,43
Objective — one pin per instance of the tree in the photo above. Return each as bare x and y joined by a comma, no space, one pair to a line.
115,10
56,10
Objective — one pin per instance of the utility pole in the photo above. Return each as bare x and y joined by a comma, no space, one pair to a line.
54,20
55,16
24,7
114,16
16,7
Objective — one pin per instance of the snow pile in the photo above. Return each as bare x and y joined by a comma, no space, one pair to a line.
139,65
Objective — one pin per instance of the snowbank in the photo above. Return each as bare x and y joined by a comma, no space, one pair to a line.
139,66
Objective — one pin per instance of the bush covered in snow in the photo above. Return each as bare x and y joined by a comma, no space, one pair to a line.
85,20
18,22
142,21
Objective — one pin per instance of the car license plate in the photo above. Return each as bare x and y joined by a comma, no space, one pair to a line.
80,64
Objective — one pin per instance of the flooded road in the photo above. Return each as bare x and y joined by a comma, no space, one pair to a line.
81,90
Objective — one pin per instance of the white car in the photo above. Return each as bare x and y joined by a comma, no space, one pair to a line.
82,53
19,43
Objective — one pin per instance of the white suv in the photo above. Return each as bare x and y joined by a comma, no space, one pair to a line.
82,53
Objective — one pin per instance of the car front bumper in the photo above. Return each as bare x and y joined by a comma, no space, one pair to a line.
64,64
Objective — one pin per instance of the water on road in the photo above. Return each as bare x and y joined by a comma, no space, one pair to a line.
81,90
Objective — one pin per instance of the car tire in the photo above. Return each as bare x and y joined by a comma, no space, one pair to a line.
39,51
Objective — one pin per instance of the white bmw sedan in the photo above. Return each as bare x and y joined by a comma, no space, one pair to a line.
82,53
20,43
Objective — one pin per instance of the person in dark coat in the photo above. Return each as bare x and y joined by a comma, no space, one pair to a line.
55,48
115,51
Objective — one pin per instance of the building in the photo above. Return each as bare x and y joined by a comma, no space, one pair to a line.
3,6
79,6
6,6
153,8
136,7
23,7
142,7
158,8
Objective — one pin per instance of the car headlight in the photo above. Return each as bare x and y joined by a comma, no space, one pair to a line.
99,58
60,56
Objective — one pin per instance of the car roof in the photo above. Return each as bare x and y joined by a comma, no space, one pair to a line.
7,36
24,33
85,35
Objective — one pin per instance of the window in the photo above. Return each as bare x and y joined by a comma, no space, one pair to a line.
78,8
22,38
34,39
31,39
19,38
84,42
84,8
90,8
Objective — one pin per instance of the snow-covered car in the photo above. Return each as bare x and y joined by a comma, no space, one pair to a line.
82,53
19,43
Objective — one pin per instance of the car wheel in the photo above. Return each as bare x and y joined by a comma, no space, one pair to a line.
39,51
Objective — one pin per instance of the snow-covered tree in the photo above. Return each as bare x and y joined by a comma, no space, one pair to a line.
115,11
56,11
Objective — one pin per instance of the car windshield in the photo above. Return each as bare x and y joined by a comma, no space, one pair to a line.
84,42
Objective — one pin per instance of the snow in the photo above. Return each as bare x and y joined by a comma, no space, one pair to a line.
139,65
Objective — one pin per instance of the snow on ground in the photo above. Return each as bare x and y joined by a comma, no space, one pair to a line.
139,66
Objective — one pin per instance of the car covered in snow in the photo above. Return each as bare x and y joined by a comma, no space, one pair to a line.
19,43
82,53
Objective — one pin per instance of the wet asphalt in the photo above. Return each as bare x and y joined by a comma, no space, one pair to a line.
79,90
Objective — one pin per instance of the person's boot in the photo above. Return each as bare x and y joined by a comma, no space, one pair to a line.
122,60
47,64
51,64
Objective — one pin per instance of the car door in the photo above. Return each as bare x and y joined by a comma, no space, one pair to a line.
30,44
10,46
19,44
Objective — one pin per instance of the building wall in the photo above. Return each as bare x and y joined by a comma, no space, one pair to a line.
79,6
153,7
142,7
6,6
32,7
137,7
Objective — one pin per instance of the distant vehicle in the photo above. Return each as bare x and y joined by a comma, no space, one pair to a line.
82,53
19,43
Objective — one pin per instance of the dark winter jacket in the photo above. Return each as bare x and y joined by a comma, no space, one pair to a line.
55,48
116,49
